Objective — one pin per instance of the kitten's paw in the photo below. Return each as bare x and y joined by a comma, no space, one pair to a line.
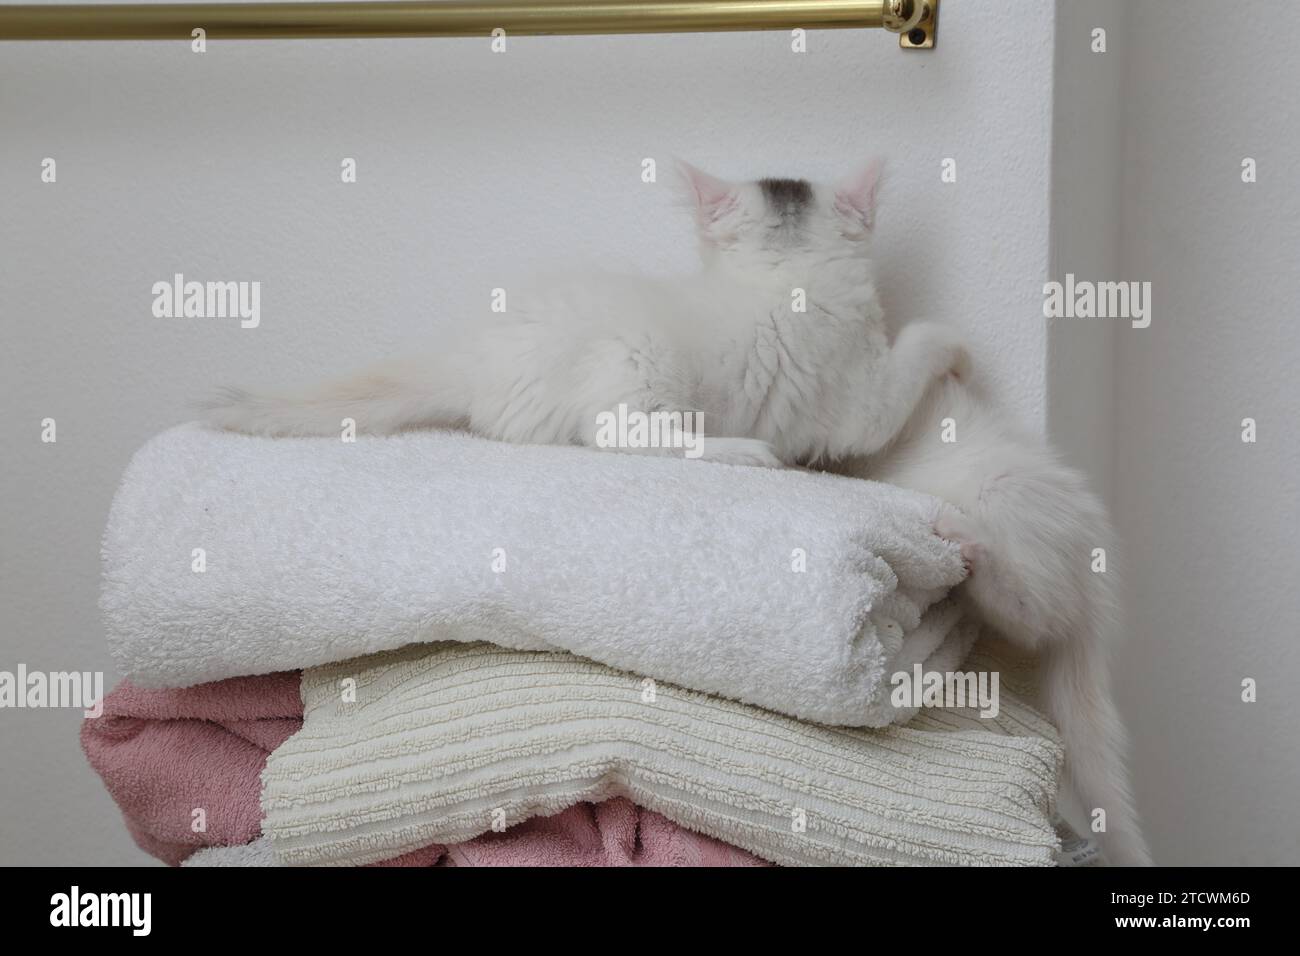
954,526
952,523
958,362
972,555
947,347
952,358
740,451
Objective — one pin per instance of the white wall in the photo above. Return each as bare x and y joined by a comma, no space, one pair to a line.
1148,143
1210,523
1085,240
474,169
1086,173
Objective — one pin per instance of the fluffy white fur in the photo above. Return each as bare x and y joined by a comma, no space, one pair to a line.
1028,525
773,384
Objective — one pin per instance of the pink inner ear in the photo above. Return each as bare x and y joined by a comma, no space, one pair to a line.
856,196
710,193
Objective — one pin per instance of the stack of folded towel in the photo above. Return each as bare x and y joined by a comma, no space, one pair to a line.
433,648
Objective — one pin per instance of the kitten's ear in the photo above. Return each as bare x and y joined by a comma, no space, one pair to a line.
711,195
855,197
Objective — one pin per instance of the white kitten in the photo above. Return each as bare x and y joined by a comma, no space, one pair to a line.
1028,525
773,384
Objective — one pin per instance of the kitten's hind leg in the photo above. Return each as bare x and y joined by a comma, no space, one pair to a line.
655,412
997,585
662,433
641,424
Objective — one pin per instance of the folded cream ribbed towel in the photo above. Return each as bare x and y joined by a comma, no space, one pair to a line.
440,744
228,555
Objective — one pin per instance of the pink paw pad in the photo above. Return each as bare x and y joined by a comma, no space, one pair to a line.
972,552
953,526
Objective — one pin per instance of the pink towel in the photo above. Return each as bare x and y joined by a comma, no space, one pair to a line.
185,765
614,833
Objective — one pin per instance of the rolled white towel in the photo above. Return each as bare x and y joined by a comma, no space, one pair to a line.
228,555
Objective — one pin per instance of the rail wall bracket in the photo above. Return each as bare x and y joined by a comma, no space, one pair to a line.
915,22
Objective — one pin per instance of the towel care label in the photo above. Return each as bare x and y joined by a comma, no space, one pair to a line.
1076,850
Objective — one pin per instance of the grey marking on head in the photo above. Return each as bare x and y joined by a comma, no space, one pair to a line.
788,198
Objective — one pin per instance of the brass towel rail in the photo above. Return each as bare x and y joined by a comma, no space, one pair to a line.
913,20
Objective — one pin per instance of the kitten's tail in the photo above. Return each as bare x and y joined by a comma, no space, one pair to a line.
387,398
1077,694
1034,526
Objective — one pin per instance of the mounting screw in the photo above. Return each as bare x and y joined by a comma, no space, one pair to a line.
920,34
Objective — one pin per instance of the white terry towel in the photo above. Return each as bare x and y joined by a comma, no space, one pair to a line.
784,589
